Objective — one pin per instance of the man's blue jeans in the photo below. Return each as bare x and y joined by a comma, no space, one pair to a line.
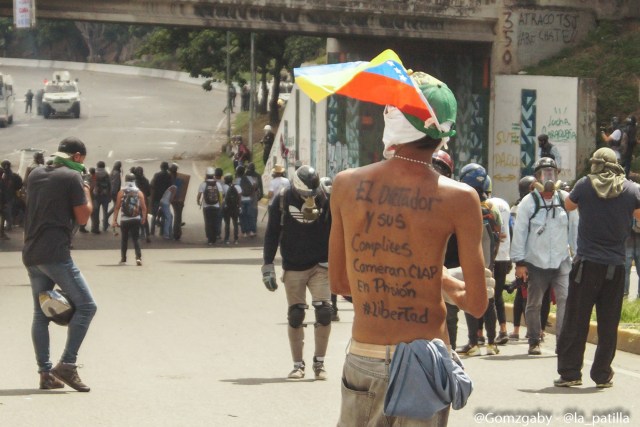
43,277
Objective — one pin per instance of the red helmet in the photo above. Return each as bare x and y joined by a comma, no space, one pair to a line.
443,163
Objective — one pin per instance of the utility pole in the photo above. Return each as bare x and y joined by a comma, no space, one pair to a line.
252,89
228,86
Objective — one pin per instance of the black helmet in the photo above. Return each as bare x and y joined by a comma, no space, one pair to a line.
474,175
251,167
544,162
524,186
306,181
130,177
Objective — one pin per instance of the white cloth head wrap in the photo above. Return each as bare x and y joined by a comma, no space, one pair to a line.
398,130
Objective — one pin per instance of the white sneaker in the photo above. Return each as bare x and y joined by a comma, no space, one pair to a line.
297,373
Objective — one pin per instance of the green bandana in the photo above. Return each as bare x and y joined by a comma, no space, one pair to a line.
70,164
607,176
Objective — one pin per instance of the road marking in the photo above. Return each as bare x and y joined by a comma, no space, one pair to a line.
110,154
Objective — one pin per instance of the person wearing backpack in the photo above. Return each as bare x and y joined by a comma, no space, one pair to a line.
102,198
209,198
475,176
248,202
231,208
542,235
131,203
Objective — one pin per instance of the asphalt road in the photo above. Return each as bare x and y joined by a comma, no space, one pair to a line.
192,338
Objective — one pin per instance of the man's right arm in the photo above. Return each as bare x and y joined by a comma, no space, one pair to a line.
337,262
82,212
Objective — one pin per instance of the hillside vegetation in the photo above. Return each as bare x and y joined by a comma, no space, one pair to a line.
611,55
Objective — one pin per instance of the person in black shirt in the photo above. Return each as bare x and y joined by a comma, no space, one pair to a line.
300,223
159,183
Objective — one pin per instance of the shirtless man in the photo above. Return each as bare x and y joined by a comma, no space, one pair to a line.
391,224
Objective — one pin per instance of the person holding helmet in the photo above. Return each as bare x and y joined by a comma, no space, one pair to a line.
210,194
544,237
475,176
300,223
131,202
366,215
267,143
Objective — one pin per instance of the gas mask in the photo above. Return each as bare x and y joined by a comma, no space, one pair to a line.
547,181
310,211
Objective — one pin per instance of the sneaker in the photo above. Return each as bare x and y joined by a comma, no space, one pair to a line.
335,317
226,242
513,336
235,242
534,350
83,229
298,372
502,338
319,371
49,382
492,349
68,374
252,234
561,382
469,350
608,384
481,341
138,262
123,261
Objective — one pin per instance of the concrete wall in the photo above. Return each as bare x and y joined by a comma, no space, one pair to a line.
527,106
301,135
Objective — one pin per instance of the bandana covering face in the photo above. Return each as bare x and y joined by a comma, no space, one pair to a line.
606,176
79,167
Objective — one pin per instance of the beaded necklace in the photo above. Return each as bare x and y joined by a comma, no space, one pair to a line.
427,164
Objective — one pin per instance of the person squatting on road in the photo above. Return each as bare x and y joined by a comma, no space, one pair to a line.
607,203
544,237
378,256
210,194
131,203
57,200
300,223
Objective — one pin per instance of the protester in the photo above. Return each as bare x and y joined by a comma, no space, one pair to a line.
547,149
442,207
231,209
210,196
159,183
278,182
543,235
176,203
131,202
604,197
299,225
58,199
267,143
102,197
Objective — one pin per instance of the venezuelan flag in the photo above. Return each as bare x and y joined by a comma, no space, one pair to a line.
382,81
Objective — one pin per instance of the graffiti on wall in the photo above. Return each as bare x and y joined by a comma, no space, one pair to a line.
528,100
506,154
535,28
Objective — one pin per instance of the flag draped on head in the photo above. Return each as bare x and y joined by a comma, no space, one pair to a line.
417,104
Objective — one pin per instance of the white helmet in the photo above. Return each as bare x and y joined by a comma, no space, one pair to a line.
267,127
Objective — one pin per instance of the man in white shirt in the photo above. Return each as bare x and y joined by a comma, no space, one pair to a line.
277,183
542,235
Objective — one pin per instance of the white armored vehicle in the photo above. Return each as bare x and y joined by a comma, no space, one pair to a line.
61,96
7,99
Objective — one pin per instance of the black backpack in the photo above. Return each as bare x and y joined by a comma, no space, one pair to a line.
246,186
232,200
102,186
130,203
211,193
